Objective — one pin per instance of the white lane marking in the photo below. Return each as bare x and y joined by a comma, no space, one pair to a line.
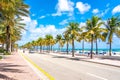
93,75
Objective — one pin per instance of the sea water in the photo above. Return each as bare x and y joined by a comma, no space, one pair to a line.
88,50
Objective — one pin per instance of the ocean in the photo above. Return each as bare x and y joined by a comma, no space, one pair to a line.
88,50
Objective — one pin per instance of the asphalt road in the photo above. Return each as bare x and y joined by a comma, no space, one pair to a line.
62,68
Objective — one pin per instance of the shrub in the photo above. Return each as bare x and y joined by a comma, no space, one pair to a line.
5,53
2,50
0,57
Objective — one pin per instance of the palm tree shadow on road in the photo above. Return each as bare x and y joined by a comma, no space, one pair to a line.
68,58
2,76
6,67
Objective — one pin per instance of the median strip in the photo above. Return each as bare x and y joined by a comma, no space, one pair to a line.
38,67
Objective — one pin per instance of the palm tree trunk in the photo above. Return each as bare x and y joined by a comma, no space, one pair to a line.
59,48
91,56
34,47
37,48
40,49
67,47
96,47
43,48
11,47
110,50
7,38
73,48
51,48
83,46
3,45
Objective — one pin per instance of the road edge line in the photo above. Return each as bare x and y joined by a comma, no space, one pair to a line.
38,67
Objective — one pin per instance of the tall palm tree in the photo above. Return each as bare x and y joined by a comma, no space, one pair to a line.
82,37
112,25
73,29
49,39
16,31
52,42
99,35
40,43
33,44
67,41
92,26
59,40
10,9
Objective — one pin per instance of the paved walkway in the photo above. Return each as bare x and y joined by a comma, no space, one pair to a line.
106,60
14,67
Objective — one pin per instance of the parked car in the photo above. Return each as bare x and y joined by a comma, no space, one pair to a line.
32,51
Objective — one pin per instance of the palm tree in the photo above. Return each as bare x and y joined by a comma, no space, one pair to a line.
92,26
73,29
112,25
27,45
49,39
59,40
10,9
40,43
82,37
52,42
98,35
33,44
67,40
16,31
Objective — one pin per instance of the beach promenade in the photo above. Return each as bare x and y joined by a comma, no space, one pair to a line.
14,67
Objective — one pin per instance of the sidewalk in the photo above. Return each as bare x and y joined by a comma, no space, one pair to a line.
14,67
105,60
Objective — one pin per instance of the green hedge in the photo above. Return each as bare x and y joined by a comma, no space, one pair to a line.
5,53
0,57
2,50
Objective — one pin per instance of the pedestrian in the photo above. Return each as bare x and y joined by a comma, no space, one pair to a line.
23,51
88,54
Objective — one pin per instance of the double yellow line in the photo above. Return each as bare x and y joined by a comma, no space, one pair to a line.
38,67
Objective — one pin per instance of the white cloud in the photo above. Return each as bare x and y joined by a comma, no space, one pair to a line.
82,24
116,10
57,14
102,13
43,30
64,6
33,32
41,17
63,22
83,7
95,11
26,19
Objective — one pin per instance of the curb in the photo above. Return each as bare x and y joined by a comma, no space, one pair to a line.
38,67
101,63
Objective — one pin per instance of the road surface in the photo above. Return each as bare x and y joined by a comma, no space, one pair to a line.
62,68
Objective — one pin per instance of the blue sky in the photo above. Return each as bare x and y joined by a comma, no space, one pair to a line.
52,16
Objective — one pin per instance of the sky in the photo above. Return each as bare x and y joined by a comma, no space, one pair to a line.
53,16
